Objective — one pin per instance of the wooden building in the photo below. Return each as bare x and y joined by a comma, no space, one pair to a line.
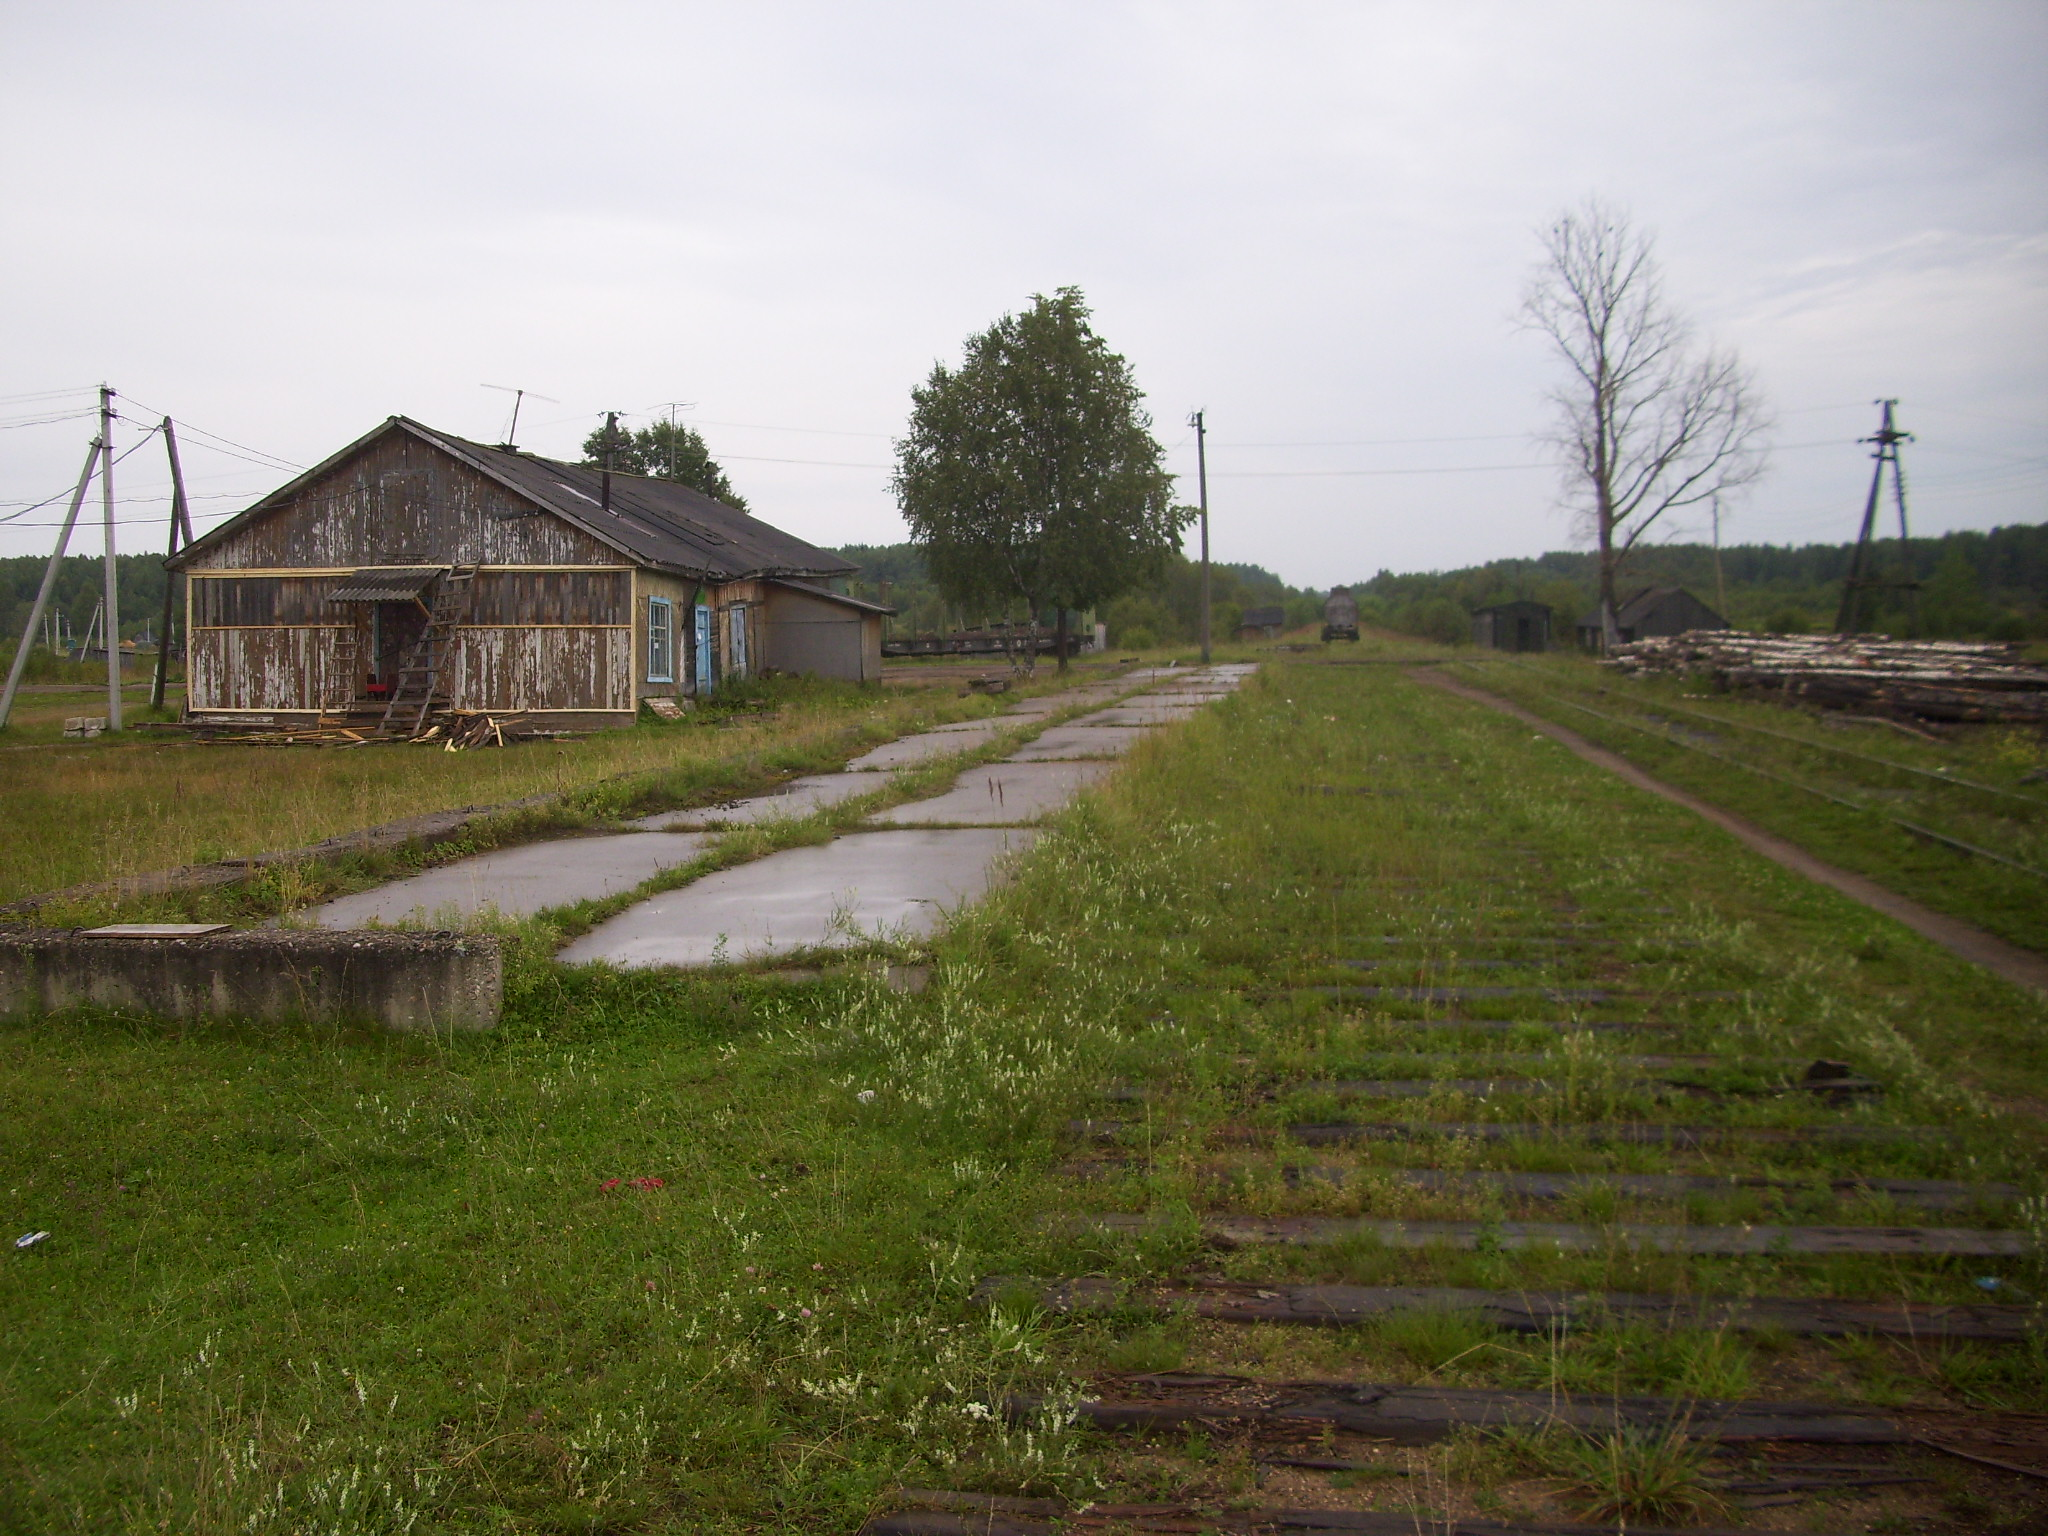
414,571
1653,611
1262,623
1516,626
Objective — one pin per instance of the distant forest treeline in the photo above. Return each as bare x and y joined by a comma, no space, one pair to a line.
1973,585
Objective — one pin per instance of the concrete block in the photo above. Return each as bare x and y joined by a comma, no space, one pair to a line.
399,981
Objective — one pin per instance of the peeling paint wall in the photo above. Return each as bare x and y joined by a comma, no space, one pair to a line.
403,502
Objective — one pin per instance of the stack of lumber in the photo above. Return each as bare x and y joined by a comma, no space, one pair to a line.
1949,680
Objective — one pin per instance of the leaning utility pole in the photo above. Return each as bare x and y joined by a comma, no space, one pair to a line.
35,613
181,534
1863,575
110,631
611,432
1202,482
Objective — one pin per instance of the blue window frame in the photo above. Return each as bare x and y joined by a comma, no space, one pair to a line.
661,644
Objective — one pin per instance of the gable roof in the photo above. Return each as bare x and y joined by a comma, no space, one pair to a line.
655,523
1633,610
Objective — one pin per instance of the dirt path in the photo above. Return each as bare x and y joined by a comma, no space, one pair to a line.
2019,966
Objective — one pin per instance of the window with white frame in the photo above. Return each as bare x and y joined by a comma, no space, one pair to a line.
661,642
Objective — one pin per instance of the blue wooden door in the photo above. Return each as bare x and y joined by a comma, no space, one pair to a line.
703,637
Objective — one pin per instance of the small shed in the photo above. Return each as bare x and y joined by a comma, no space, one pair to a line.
1653,611
1262,623
1516,626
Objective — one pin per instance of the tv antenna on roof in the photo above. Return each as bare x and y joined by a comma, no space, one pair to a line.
672,406
518,399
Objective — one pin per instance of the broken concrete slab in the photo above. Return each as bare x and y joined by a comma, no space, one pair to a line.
1079,741
908,750
859,887
1000,794
401,981
799,797
517,882
1130,715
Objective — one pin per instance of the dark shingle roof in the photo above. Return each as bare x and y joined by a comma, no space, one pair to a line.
655,522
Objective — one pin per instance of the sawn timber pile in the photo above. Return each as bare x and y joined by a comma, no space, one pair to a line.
1947,680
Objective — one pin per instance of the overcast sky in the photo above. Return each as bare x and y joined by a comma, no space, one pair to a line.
282,223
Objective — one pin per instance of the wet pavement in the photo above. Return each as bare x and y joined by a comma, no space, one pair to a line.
516,882
897,875
999,794
907,751
799,797
857,888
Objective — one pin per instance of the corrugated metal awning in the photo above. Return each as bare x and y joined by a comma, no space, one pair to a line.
387,584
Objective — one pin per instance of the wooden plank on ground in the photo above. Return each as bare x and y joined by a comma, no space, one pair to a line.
1177,1402
1617,1133
1344,1306
944,1512
1225,1231
1934,1194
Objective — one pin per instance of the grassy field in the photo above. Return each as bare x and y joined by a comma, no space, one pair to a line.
699,1252
122,805
1839,790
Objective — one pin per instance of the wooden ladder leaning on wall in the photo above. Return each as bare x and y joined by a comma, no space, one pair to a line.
418,685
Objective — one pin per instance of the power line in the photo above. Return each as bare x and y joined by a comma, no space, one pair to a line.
1305,474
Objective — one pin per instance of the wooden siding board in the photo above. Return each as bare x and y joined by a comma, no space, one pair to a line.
552,597
276,668
558,668
402,501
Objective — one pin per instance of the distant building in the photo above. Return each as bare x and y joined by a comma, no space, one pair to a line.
1653,611
1516,626
1262,623
414,570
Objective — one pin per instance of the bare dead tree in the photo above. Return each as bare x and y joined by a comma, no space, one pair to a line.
1644,424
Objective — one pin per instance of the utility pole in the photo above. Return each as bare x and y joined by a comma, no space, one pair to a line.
181,534
110,631
1720,582
1862,575
35,613
611,432
1197,421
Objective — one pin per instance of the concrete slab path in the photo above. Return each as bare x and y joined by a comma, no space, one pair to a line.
906,751
999,794
799,797
852,889
1078,741
517,882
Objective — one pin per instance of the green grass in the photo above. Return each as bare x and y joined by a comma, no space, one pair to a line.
1669,724
313,1281
131,804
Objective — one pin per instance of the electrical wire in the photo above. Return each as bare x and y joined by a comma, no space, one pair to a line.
1306,474
48,394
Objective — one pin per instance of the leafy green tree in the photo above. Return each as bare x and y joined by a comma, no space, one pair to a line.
1030,474
665,451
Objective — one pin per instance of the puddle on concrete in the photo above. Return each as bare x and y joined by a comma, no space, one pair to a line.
799,797
859,887
517,881
1000,794
907,750
1075,741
